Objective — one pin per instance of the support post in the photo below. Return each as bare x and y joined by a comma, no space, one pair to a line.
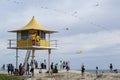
16,58
49,52
33,55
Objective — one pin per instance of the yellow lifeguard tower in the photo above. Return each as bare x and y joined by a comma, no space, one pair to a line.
32,37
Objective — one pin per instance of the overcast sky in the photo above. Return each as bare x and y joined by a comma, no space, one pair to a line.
93,27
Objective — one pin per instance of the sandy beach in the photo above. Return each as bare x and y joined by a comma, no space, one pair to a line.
76,75
71,75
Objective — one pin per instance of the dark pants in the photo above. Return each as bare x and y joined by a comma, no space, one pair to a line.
32,71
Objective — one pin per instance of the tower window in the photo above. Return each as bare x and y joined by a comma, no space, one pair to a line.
42,35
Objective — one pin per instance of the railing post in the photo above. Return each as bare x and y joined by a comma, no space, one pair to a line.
56,43
10,43
27,42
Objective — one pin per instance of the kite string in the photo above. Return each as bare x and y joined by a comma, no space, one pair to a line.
74,14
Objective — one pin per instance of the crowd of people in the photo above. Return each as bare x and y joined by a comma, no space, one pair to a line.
61,65
43,65
10,68
34,65
21,69
97,70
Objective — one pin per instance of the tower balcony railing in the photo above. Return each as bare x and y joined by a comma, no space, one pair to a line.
29,43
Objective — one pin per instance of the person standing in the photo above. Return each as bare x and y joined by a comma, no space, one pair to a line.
20,69
27,71
45,64
42,65
83,71
8,67
33,39
61,65
3,67
11,68
52,66
32,67
36,64
96,71
64,65
111,67
67,65
38,40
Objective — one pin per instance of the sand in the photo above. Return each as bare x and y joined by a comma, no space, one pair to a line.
76,75
71,75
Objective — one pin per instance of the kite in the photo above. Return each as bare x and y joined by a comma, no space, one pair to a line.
81,52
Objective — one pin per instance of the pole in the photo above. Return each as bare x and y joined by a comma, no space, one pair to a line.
49,52
33,55
16,58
